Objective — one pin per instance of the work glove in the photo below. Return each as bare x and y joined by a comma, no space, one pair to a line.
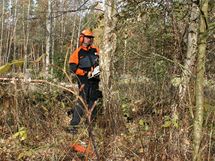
94,73
89,74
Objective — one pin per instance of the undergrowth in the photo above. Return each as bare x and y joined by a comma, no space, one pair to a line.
33,125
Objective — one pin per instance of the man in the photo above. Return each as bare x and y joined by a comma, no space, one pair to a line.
83,62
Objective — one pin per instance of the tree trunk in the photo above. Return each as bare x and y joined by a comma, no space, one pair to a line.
48,38
2,34
26,39
199,113
191,51
106,60
113,115
9,35
53,43
125,53
62,26
14,30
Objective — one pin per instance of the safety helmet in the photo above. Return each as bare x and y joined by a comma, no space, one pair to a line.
84,33
87,32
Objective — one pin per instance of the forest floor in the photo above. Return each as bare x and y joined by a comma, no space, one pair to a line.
34,126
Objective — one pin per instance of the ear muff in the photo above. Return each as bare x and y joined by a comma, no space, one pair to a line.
81,39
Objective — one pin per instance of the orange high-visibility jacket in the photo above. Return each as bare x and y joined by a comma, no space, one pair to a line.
83,59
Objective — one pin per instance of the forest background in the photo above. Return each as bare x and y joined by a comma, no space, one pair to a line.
157,79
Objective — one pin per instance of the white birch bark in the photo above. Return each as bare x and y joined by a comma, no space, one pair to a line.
109,45
191,50
53,22
110,103
48,38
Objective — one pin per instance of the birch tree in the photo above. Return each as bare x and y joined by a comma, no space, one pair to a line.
62,26
14,29
199,113
48,37
26,30
109,47
112,111
107,84
53,26
9,33
2,33
191,49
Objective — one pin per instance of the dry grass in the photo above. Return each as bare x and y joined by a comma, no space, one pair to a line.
41,114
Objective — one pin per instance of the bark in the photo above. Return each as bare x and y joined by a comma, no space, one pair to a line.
62,27
9,37
14,30
106,56
113,116
2,33
125,53
114,123
44,58
191,51
199,113
48,38
53,44
26,39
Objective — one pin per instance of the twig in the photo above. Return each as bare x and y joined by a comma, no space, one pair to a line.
210,140
90,129
12,80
